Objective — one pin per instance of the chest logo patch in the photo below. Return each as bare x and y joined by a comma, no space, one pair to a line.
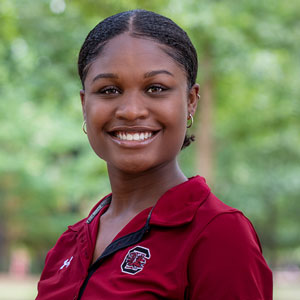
135,260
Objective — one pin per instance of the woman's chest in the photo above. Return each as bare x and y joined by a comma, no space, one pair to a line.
108,229
146,270
155,267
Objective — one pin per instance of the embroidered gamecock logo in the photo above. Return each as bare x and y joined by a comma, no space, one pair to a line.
135,260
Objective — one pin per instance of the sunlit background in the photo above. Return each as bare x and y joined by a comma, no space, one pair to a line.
247,126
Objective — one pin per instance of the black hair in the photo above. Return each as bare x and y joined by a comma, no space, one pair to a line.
142,24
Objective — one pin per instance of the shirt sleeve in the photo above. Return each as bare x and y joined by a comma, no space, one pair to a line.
227,263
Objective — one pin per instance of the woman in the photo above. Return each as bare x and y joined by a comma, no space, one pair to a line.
158,235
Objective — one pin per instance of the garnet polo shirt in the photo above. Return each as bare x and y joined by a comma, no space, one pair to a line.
190,246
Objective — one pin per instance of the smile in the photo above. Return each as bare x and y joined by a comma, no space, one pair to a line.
133,136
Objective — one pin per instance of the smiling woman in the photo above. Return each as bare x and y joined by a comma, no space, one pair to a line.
141,96
158,235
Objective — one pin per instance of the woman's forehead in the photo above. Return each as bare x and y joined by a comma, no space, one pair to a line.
125,44
125,51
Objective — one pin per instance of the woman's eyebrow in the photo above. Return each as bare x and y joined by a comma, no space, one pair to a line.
153,73
105,75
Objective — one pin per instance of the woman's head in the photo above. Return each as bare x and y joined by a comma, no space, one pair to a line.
138,71
143,24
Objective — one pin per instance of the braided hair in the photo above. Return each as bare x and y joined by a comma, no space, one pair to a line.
142,24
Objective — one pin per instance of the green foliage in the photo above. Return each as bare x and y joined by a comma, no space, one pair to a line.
254,47
49,176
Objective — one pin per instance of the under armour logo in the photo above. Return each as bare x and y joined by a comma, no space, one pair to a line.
66,263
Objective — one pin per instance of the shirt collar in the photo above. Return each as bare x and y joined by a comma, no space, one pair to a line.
175,207
180,203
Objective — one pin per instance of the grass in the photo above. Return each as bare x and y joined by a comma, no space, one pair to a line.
13,288
287,293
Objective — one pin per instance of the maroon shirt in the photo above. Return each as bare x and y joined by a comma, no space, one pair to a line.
193,246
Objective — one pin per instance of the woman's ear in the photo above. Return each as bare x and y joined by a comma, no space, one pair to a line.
82,97
193,99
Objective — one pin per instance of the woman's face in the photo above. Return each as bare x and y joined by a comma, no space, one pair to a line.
136,105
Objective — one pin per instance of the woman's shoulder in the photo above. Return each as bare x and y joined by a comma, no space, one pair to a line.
206,207
229,252
217,218
227,248
67,240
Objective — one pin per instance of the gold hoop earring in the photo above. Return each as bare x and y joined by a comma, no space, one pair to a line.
84,127
192,121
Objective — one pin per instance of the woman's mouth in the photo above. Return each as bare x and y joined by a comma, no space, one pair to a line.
131,138
134,135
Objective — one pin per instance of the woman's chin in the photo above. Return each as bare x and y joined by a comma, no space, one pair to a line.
133,168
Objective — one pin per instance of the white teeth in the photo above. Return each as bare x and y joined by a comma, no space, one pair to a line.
137,136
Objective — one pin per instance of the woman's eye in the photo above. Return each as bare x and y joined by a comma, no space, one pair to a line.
109,91
155,89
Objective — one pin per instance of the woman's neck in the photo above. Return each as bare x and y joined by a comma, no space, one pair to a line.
132,193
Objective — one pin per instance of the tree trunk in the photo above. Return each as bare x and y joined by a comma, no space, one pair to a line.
205,143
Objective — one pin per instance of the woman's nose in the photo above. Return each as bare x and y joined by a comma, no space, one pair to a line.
131,107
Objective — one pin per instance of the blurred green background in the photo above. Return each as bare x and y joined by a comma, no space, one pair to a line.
247,125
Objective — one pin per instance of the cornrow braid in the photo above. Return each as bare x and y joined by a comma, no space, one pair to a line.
142,24
98,37
166,32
